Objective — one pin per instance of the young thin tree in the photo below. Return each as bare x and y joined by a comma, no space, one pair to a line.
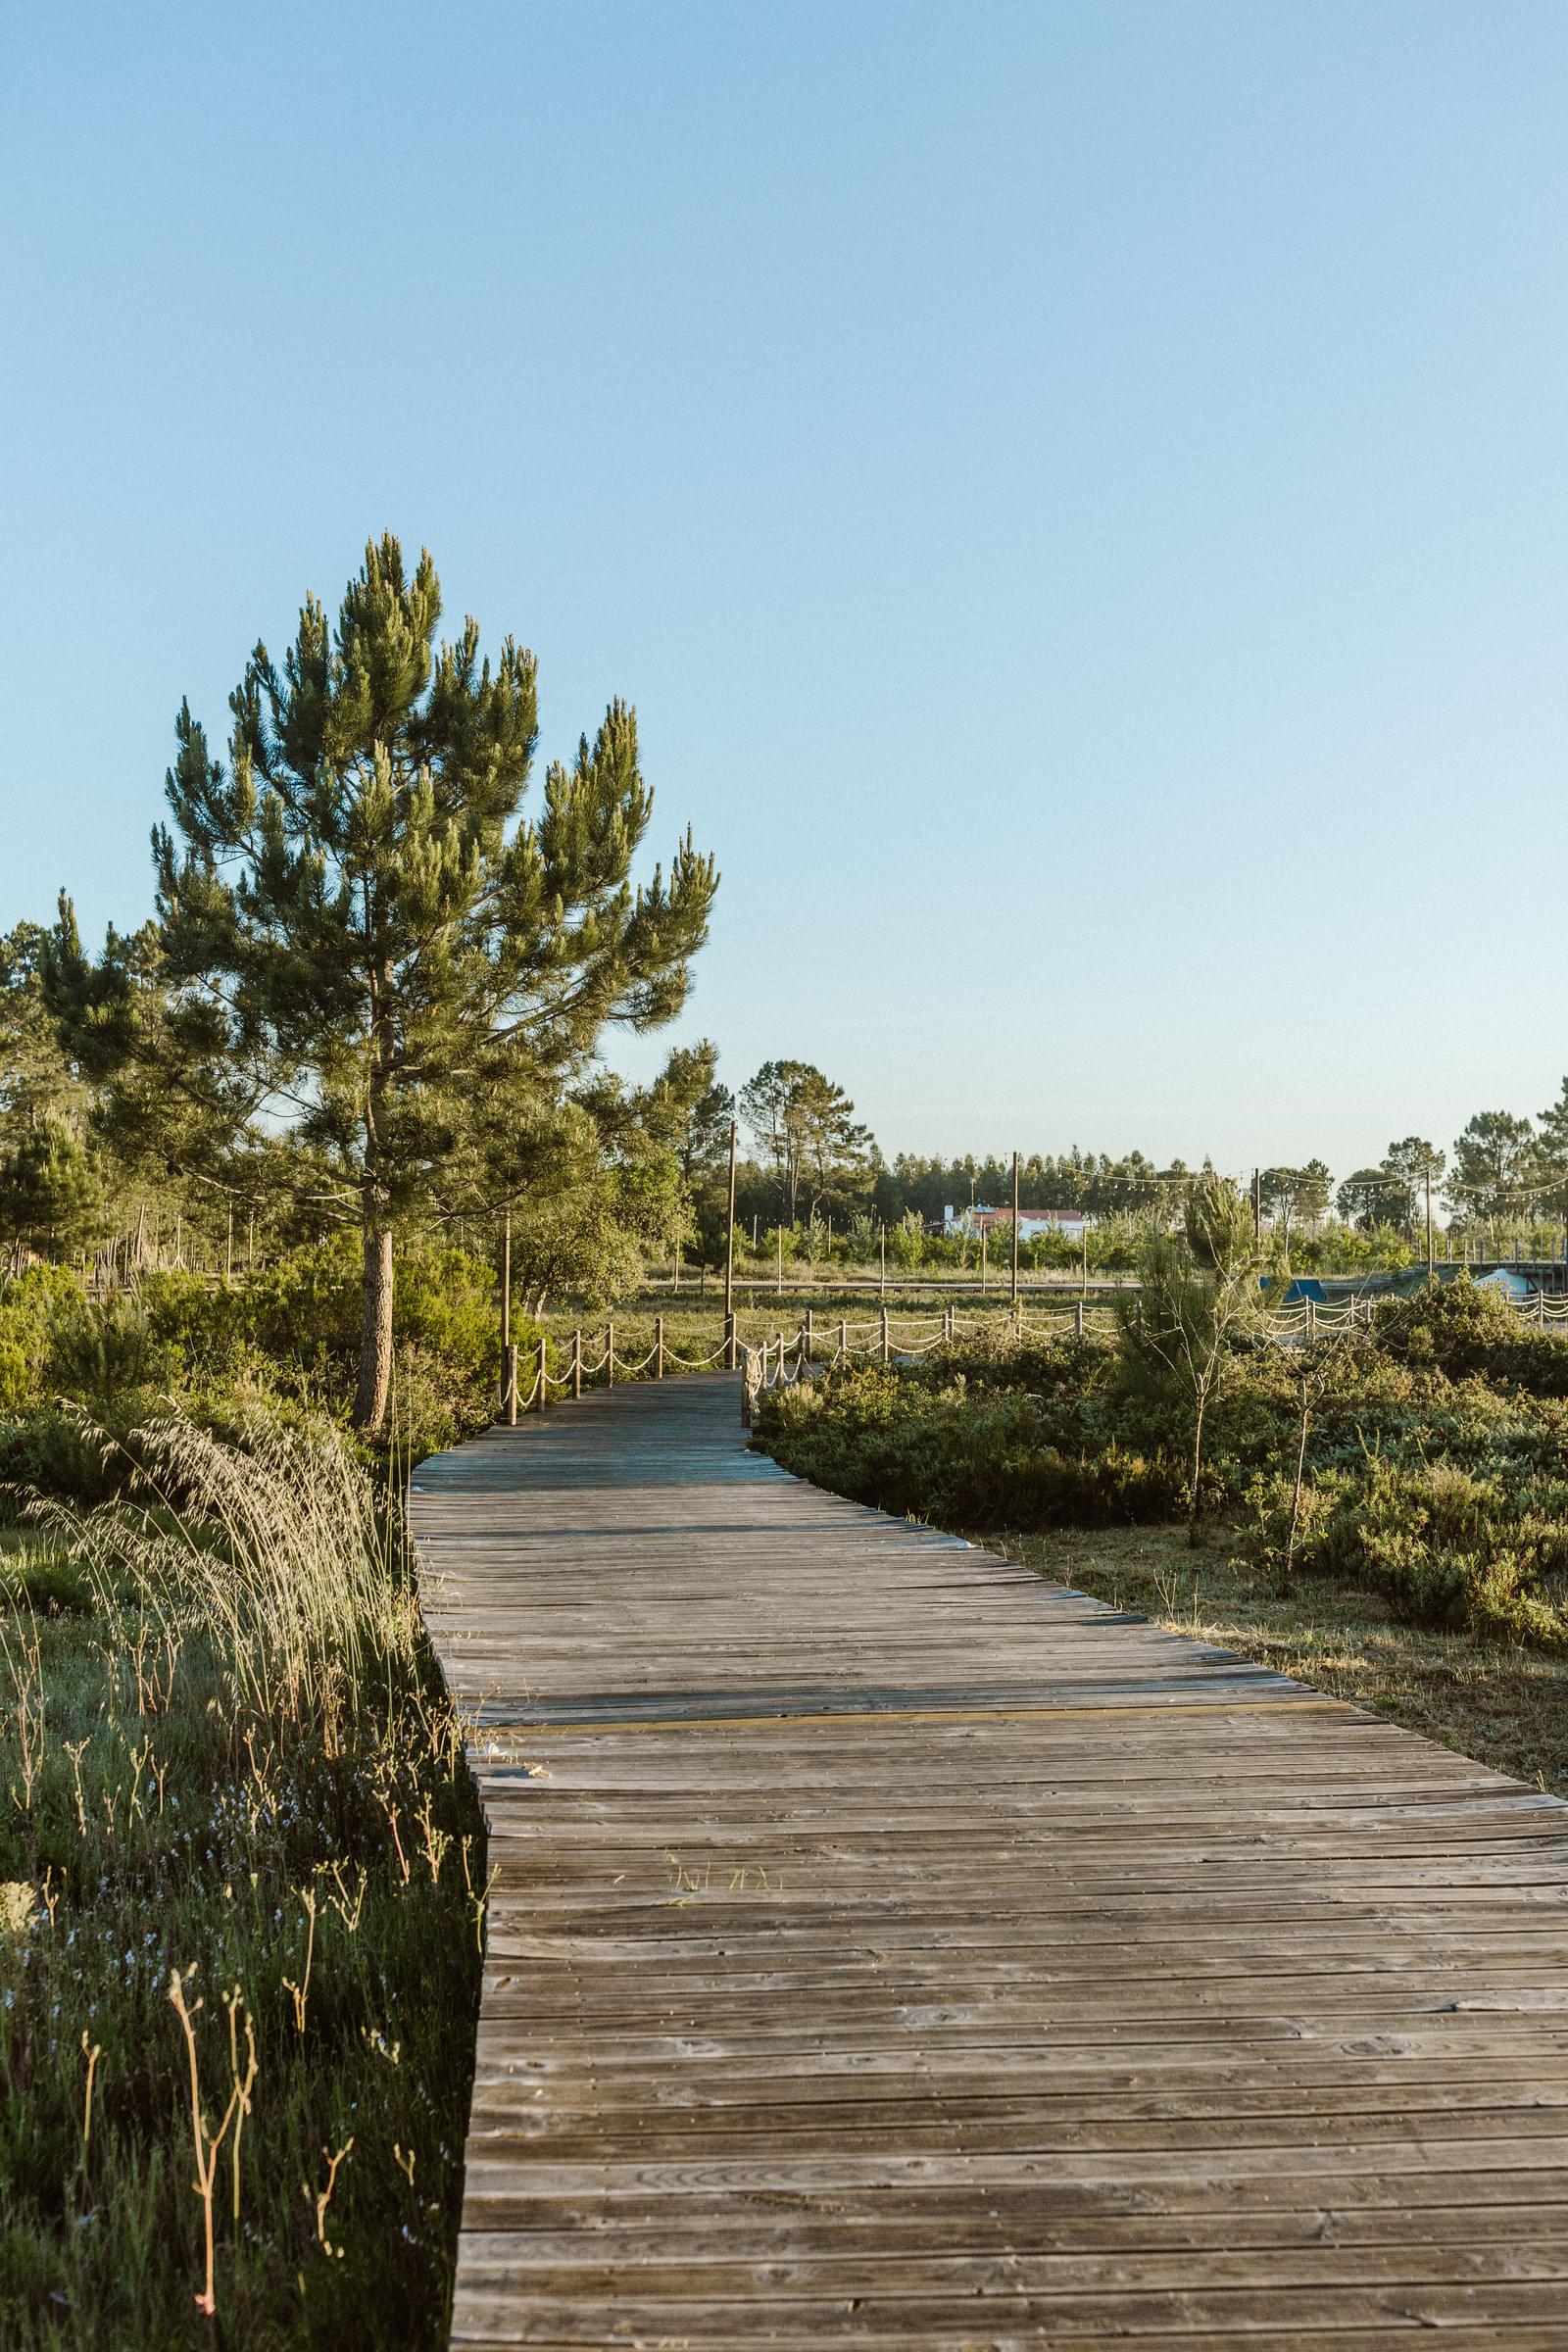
352,917
1197,1298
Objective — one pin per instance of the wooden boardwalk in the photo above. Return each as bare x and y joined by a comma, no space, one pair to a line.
891,1948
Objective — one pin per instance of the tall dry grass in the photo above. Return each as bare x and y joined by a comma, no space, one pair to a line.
241,1886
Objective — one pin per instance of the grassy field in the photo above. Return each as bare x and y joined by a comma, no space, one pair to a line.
1497,1702
241,1898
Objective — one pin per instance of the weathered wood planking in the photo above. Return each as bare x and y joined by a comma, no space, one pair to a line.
891,1948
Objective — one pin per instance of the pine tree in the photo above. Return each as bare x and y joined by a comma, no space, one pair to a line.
806,1126
356,930
49,1189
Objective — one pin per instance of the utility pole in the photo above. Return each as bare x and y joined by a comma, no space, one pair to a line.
1015,1232
729,1260
1429,1224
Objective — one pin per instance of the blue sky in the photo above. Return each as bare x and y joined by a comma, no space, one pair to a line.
1076,494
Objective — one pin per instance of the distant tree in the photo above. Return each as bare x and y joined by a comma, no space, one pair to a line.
51,1189
1296,1194
1551,1148
36,1080
806,1127
1551,1130
708,1107
1495,1167
1407,1166
354,929
1360,1199
1314,1191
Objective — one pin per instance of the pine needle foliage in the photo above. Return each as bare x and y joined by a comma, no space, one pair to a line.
354,915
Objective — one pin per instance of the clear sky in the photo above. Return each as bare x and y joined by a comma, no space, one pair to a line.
1075,492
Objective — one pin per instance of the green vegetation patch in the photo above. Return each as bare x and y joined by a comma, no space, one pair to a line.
1433,1450
241,1907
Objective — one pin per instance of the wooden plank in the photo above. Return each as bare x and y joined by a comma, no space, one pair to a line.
891,1947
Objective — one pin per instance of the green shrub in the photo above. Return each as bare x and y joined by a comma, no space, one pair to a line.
991,1454
1434,1475
28,1306
102,1351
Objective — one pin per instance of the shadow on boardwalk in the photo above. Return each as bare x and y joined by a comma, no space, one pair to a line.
891,1948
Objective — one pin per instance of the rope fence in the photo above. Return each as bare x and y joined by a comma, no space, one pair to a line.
558,1367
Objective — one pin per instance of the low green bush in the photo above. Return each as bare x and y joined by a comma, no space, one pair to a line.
986,1449
1436,1469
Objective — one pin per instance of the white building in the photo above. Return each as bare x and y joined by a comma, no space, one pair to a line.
1070,1223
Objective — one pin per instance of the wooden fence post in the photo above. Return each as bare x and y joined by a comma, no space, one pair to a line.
1078,1320
1312,1320
843,1355
659,1346
886,1355
729,1343
610,1353
544,1371
808,1336
576,1361
509,1384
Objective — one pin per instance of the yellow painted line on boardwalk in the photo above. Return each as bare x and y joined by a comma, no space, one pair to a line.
765,1723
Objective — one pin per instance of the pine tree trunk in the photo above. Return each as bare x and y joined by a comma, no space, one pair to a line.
375,1330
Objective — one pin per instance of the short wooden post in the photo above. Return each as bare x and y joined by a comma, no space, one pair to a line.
729,1343
1311,1320
844,1343
576,1361
886,1354
1078,1320
509,1384
610,1353
659,1346
808,1336
544,1371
